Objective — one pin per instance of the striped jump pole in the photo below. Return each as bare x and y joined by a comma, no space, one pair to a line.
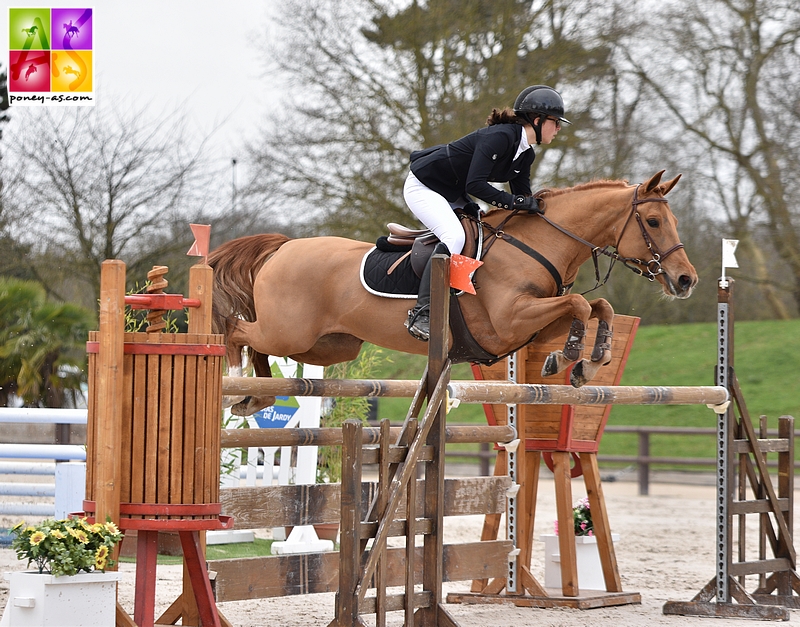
482,391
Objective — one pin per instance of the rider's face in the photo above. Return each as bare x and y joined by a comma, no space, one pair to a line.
550,128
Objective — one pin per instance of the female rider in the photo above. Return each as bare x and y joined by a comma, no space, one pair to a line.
442,176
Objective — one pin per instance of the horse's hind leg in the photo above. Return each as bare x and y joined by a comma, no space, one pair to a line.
251,404
236,340
585,370
233,356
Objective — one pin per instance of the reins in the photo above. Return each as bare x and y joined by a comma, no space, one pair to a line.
652,267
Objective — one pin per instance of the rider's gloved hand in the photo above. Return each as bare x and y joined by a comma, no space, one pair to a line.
527,203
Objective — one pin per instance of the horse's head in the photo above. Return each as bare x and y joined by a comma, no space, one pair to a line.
650,239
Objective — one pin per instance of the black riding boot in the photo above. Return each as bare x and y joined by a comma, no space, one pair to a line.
419,318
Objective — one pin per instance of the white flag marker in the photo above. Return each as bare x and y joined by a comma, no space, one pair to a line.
728,258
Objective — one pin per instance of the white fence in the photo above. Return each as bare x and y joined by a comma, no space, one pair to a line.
65,462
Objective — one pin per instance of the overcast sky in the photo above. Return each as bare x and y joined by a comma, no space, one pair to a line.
202,54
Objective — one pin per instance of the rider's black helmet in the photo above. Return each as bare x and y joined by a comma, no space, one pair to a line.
541,100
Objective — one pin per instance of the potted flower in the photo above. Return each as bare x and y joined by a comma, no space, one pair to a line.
69,585
590,571
582,518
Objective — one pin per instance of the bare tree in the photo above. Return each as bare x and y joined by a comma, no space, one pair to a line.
377,79
101,185
732,95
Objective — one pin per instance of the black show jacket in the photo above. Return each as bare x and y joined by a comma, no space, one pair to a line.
467,165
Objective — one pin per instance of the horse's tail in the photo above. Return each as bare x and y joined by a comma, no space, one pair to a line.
236,264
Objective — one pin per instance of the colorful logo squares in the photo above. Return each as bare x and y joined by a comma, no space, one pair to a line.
50,52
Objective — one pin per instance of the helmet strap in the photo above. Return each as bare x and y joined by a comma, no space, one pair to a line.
537,128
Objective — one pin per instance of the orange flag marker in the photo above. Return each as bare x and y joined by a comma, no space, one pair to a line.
202,237
461,270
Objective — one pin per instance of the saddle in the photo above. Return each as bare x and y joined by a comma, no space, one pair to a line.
418,244
405,247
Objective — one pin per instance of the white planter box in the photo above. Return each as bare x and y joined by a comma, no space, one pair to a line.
590,571
85,600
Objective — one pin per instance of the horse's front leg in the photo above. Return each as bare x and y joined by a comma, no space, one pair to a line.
553,317
585,370
558,361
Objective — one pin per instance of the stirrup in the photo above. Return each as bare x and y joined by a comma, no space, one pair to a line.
419,322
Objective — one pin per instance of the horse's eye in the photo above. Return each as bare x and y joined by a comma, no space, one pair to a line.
652,222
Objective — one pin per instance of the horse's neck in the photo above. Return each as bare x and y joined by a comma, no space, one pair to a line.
595,215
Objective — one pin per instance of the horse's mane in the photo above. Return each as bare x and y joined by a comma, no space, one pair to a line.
552,192
582,187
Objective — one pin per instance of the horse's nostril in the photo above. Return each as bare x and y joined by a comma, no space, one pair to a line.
685,281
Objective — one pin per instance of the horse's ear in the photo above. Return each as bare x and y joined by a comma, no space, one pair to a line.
650,185
665,188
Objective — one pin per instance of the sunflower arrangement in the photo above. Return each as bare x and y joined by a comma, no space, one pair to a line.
66,547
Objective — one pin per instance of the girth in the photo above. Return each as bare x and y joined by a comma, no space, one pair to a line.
465,348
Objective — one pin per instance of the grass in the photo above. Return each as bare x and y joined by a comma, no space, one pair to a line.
765,354
235,550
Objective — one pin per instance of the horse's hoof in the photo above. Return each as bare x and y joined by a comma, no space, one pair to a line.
550,366
242,407
251,404
577,377
229,401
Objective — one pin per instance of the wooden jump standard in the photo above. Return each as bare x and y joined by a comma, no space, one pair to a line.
152,446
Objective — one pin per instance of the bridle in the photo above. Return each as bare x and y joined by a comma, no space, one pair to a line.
652,267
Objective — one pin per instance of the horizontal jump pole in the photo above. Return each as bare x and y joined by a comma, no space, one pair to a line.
536,394
332,436
480,391
328,388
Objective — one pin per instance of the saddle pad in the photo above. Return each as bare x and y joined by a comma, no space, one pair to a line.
401,283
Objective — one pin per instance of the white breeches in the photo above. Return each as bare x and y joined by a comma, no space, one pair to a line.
435,212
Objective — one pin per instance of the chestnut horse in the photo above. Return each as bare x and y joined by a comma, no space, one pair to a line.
303,299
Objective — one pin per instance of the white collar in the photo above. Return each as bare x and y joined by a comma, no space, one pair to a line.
523,144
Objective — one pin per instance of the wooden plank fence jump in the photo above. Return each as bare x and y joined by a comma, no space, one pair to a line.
387,508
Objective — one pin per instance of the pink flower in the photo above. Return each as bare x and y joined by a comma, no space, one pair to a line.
555,524
590,534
